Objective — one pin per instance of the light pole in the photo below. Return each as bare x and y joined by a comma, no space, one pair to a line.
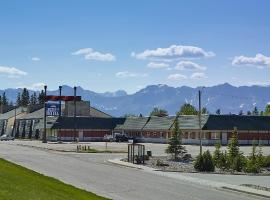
200,122
75,110
200,118
60,104
60,101
14,124
44,138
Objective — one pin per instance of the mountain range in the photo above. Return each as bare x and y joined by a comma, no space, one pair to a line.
227,98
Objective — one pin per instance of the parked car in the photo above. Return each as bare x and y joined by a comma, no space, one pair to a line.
6,137
108,138
120,138
133,139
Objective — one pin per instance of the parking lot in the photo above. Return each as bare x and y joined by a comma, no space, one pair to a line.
157,149
92,172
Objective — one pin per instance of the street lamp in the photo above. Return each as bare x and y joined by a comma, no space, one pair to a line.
75,110
60,94
200,119
44,138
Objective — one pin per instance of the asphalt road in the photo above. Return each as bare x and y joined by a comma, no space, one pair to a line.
93,173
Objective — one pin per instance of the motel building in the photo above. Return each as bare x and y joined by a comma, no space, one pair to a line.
215,128
91,124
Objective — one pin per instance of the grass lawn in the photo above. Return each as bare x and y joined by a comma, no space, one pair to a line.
19,183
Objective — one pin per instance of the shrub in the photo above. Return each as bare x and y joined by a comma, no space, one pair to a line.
217,155
175,147
223,162
238,163
235,158
198,165
252,167
266,161
204,162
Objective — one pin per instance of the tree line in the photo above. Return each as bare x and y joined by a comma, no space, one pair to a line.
24,99
188,109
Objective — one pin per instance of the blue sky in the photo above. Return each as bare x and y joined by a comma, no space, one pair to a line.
111,45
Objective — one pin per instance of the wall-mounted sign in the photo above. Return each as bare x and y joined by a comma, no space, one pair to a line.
52,109
62,98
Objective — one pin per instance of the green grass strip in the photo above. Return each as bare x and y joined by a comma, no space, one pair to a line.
19,183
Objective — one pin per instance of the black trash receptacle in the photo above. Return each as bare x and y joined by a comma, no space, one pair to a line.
149,153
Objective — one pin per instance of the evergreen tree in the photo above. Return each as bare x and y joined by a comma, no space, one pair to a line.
159,112
241,112
18,101
25,99
267,110
205,111
218,112
41,97
175,143
217,155
188,109
4,100
248,113
33,99
235,157
255,111
233,147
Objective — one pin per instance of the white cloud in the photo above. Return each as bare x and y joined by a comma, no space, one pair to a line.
35,86
126,74
174,51
35,59
188,65
11,71
198,75
156,65
90,54
177,77
259,61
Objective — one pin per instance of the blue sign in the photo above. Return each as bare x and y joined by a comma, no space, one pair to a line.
52,109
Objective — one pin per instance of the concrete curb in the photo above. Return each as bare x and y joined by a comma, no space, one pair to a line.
200,181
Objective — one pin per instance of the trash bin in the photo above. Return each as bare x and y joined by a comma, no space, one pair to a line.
149,153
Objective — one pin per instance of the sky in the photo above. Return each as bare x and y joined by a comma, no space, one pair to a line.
110,45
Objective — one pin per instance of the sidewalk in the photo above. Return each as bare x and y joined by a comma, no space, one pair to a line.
193,179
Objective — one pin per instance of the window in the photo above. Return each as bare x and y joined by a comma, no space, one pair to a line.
215,135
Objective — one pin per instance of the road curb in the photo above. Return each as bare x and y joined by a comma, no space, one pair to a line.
200,181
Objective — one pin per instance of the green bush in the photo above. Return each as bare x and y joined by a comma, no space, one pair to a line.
238,163
266,161
198,165
217,155
204,162
252,167
223,161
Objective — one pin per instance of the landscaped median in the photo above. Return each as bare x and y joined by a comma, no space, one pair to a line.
19,183
184,177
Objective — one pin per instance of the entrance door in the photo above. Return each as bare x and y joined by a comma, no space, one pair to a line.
81,135
224,139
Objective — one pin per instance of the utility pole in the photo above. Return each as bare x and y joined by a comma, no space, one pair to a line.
75,110
60,110
44,138
200,122
60,102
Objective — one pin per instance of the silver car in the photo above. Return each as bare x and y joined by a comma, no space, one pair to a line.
6,137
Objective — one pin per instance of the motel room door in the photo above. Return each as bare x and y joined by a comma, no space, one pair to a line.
224,139
81,135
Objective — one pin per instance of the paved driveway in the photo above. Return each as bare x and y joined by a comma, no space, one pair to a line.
92,172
